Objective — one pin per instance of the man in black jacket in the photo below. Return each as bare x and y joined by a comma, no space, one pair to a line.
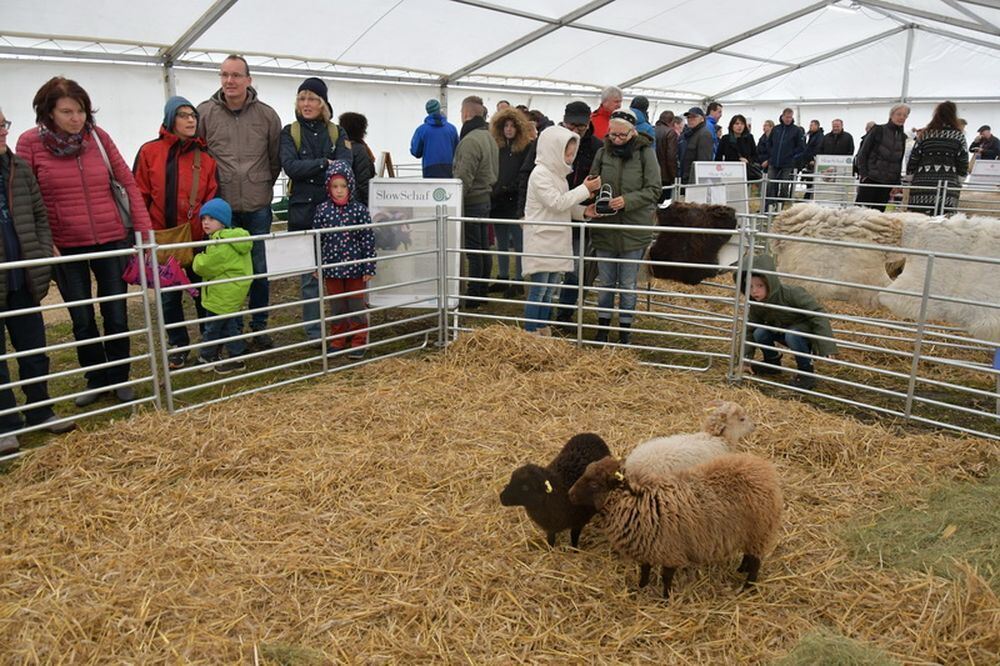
837,142
814,137
986,146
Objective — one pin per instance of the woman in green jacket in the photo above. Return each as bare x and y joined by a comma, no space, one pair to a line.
627,163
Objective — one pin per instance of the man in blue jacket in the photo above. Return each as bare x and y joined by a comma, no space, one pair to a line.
434,142
786,145
713,116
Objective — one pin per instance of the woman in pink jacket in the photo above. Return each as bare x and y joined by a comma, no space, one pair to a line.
76,188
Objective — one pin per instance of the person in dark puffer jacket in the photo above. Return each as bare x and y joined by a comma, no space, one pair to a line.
25,235
738,146
512,132
306,168
880,159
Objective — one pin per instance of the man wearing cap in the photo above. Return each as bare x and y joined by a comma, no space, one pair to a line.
611,101
241,133
434,142
666,148
308,146
986,146
698,143
786,145
477,161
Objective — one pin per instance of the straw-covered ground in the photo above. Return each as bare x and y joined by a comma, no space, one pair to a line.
356,520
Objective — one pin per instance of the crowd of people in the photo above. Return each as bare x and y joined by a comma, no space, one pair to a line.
66,190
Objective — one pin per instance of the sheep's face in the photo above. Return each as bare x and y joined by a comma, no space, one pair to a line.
529,485
728,420
599,479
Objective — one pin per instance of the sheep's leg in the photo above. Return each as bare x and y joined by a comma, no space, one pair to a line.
744,565
667,573
644,575
752,569
552,539
574,536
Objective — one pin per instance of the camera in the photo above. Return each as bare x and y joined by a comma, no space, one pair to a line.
603,203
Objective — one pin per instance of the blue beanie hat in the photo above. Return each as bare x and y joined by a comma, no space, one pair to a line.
432,106
218,209
170,110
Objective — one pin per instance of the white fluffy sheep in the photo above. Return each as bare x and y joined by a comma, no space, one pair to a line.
724,507
724,426
858,225
979,282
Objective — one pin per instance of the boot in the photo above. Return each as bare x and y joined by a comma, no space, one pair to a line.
805,381
770,366
602,335
624,335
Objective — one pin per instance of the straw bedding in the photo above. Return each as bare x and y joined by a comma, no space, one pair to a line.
357,521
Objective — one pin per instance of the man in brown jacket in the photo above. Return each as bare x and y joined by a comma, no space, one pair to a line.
666,149
242,134
24,234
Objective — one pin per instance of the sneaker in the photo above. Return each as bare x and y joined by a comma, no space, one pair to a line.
89,398
177,360
205,363
261,342
807,382
230,366
125,394
8,445
357,353
57,428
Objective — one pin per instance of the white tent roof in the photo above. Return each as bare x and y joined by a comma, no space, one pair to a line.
737,52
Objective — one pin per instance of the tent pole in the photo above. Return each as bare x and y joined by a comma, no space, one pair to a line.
906,66
169,82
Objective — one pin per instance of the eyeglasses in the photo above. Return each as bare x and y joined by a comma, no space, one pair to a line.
620,135
187,115
5,125
232,75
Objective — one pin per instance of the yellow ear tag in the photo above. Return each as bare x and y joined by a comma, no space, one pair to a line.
619,476
548,486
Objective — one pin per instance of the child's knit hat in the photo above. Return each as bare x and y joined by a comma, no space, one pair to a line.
218,209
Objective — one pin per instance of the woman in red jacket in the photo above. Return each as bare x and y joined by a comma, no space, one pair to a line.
62,151
176,175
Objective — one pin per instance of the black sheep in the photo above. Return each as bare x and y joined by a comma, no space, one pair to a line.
544,491
694,247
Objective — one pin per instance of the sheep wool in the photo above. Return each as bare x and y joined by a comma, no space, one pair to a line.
544,491
726,506
694,247
854,224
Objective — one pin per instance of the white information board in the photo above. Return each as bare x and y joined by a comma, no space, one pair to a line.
833,180
985,172
408,199
728,186
290,254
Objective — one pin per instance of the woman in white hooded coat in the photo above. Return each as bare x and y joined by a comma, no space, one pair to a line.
549,199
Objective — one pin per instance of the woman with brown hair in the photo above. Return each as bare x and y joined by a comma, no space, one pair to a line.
511,130
74,161
938,157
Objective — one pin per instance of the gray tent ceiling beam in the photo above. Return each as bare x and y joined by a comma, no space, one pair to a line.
197,29
957,37
35,52
616,33
989,4
527,39
812,61
349,76
905,88
716,48
930,16
959,7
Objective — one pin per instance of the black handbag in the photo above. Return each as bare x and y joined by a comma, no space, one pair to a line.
118,191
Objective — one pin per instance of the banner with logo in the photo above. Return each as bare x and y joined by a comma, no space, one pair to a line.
727,185
833,181
403,199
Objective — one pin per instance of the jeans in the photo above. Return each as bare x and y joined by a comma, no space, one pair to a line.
475,236
222,328
540,292
257,222
796,343
309,288
778,192
27,331
621,277
510,238
73,280
173,313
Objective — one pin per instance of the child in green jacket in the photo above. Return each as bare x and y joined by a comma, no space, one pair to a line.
768,289
222,262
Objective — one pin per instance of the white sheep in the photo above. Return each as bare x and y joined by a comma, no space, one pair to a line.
724,426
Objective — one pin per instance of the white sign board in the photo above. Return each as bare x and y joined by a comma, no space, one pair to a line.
290,254
833,181
727,183
406,199
985,172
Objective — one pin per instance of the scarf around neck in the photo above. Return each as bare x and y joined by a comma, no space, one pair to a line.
63,144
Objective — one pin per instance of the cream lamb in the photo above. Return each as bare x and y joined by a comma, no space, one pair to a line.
707,513
724,426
